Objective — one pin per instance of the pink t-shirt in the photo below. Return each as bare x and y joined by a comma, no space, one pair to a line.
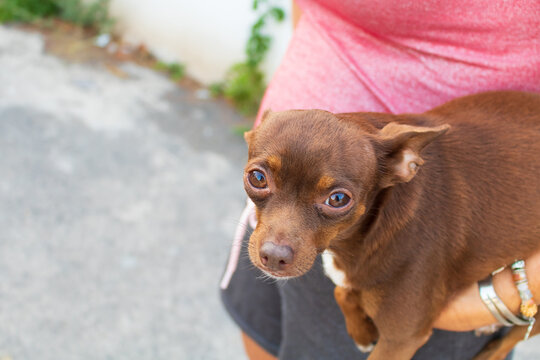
405,56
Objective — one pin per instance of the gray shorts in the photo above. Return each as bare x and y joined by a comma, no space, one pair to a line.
299,318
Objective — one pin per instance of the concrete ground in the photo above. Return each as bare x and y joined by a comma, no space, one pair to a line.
118,200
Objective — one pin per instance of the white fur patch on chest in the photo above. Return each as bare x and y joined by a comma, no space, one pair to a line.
337,276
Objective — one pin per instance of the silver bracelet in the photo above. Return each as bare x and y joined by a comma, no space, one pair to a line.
487,293
515,320
499,310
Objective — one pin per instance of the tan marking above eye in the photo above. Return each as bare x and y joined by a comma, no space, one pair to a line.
325,183
274,162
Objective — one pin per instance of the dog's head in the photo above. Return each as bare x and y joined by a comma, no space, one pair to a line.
310,174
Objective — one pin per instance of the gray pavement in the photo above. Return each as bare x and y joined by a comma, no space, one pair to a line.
118,201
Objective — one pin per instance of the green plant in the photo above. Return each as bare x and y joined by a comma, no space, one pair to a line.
26,10
216,89
161,66
175,71
94,15
244,83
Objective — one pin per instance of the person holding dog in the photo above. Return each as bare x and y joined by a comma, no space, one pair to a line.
396,57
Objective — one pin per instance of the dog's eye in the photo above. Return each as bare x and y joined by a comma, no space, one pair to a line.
257,179
338,200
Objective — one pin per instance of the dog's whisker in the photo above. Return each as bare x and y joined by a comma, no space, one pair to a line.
267,279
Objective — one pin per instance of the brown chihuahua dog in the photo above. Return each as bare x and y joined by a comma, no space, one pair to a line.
408,209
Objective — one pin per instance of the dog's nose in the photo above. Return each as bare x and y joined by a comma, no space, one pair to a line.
275,257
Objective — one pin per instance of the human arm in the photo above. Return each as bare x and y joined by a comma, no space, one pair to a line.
467,311
295,13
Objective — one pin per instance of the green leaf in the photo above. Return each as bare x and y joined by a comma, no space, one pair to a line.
277,13
258,25
257,47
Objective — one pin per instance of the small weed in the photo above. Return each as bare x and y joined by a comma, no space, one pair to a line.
161,66
26,10
90,15
175,71
244,83
94,14
217,89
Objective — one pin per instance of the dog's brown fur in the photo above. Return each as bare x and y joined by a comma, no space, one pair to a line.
433,210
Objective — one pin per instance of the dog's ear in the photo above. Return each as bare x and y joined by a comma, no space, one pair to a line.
401,145
247,136
265,115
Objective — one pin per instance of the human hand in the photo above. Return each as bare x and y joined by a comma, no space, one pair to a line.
467,312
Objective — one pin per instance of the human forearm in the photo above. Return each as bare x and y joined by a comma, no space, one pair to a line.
467,311
295,13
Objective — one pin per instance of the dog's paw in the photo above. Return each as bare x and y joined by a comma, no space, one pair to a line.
365,348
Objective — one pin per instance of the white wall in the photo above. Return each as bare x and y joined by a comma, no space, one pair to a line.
208,36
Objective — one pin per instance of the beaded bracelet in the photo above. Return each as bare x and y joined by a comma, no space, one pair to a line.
528,307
